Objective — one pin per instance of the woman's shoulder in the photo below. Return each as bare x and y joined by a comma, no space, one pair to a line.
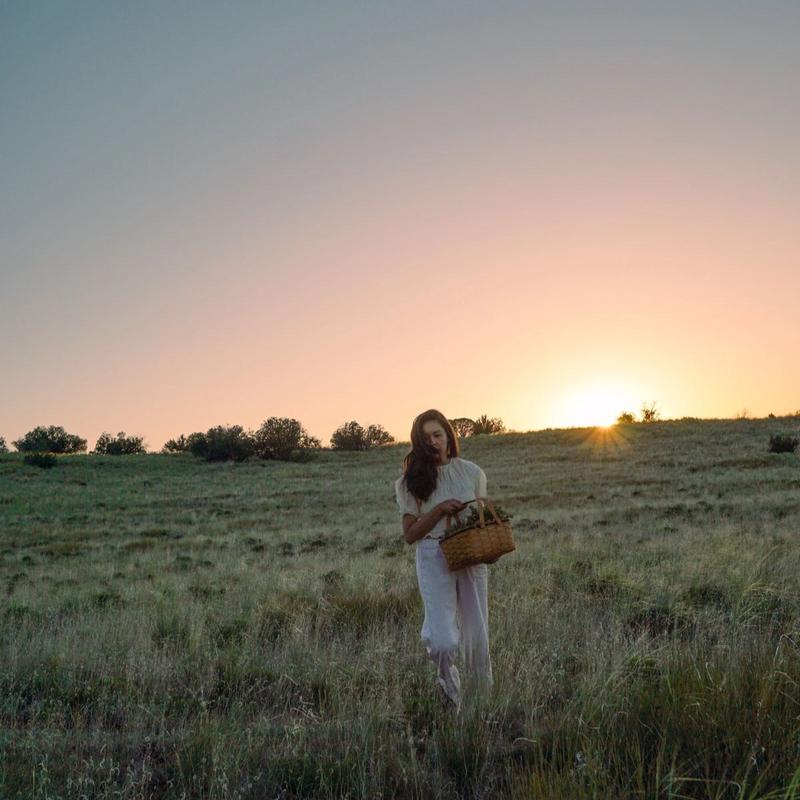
466,465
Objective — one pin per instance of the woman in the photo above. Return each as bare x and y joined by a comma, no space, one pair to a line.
436,482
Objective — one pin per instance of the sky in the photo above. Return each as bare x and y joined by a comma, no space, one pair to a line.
547,212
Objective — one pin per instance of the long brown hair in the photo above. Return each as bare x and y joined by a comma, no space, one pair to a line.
419,466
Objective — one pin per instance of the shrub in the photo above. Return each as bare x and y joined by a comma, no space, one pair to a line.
199,445
626,418
3,447
377,436
486,425
783,443
352,436
179,445
649,412
122,445
463,426
53,439
41,460
222,444
284,439
183,444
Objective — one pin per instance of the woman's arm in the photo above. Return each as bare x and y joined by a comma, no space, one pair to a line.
415,528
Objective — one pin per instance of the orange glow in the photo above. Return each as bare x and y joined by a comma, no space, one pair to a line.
598,404
302,227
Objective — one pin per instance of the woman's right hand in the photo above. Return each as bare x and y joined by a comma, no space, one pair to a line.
451,506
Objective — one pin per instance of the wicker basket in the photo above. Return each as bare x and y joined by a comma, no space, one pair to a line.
482,544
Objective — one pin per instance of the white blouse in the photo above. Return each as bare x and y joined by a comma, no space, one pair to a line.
458,479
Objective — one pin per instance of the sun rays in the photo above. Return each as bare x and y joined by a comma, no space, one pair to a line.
606,441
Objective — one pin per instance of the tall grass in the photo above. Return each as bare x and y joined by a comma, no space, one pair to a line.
178,629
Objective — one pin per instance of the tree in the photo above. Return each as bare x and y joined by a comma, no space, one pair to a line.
352,436
377,436
349,436
183,444
121,445
179,445
486,425
284,439
649,412
52,439
463,426
626,418
222,444
3,447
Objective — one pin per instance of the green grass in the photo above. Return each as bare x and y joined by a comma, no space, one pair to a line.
171,628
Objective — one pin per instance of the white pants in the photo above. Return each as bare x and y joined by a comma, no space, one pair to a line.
456,618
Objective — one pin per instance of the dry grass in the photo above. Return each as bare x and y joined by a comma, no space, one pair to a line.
171,628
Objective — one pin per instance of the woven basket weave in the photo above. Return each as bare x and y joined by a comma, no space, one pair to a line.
482,544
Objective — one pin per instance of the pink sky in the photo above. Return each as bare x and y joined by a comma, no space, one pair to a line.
536,214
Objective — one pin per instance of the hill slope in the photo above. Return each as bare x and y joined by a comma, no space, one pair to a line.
241,630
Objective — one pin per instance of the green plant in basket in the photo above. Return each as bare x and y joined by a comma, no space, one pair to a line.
472,519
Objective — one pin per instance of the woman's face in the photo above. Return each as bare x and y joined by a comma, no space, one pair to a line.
435,436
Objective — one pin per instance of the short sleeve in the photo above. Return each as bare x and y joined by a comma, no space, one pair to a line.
405,502
480,484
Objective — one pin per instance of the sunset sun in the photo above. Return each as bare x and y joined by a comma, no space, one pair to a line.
598,404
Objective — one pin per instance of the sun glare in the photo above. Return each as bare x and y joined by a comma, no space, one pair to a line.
598,405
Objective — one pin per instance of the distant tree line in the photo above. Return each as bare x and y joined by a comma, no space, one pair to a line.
285,439
278,438
54,439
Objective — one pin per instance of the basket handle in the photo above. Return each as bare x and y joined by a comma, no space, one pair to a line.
481,501
487,501
450,518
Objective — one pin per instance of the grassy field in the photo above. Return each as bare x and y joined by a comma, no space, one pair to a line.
171,628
